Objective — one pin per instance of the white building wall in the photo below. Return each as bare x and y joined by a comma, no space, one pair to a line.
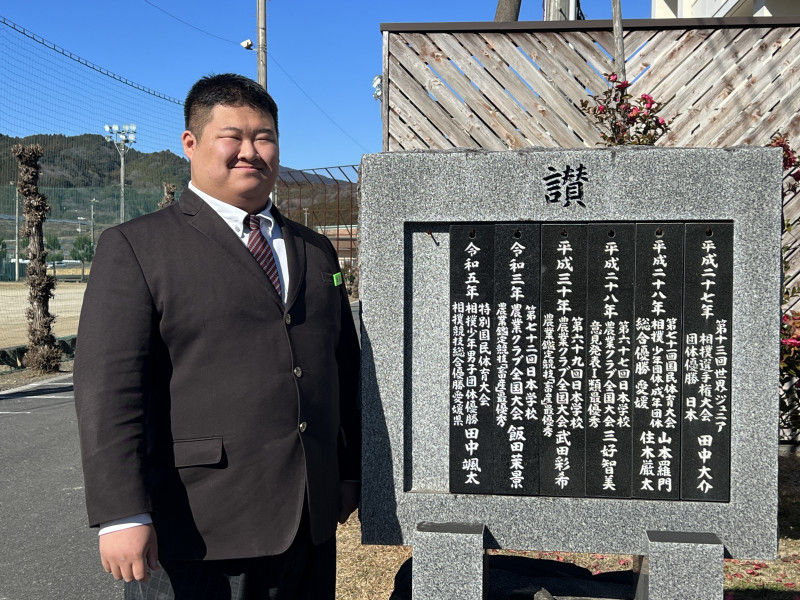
698,9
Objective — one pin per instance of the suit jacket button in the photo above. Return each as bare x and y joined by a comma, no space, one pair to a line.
298,372
288,319
303,426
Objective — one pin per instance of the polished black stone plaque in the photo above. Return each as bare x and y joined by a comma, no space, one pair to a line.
609,316
591,359
656,361
471,358
707,349
563,379
516,319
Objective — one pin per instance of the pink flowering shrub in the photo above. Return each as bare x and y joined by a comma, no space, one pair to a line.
624,119
790,347
790,324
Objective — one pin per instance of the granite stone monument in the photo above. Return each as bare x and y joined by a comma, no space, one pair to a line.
572,350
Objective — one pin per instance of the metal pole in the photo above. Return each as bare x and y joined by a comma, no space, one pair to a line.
16,232
92,220
122,149
261,50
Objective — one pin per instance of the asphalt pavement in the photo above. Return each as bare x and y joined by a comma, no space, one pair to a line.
47,551
46,548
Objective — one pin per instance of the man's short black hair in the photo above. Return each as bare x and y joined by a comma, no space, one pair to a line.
228,89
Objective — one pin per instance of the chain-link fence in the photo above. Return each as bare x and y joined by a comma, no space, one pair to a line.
60,101
50,97
325,200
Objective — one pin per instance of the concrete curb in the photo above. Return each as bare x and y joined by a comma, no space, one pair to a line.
38,383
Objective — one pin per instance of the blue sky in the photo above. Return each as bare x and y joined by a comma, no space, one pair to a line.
322,54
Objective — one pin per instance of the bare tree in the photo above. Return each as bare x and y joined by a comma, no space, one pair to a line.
507,10
169,195
44,354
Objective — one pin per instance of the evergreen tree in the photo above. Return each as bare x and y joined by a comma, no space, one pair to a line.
53,246
82,250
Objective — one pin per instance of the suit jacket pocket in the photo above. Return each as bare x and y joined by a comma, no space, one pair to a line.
197,452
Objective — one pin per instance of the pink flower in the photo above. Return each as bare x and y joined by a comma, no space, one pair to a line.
648,105
791,342
661,120
623,85
796,175
612,77
600,108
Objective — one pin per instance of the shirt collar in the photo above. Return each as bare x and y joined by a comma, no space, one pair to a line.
233,215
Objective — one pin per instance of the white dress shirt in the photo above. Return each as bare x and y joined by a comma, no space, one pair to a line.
235,217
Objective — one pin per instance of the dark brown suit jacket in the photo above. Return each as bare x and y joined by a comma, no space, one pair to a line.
205,401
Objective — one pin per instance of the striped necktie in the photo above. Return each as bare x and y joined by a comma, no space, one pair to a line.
261,251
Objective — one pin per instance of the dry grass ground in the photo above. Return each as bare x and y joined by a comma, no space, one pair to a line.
65,304
367,572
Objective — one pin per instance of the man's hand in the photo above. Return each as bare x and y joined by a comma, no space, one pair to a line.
349,493
130,554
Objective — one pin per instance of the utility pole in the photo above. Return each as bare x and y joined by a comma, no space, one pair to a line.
261,49
507,11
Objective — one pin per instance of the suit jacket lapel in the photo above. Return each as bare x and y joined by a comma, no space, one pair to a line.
205,220
295,255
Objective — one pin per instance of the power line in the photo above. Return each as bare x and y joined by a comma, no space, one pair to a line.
169,14
277,64
319,108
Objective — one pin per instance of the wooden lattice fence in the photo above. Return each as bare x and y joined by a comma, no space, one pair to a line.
498,86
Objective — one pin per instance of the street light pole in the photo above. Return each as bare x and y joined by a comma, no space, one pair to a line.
16,232
91,205
121,137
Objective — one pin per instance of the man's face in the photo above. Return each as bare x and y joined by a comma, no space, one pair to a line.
235,157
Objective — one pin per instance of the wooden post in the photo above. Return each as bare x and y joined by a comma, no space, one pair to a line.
619,46
385,92
557,10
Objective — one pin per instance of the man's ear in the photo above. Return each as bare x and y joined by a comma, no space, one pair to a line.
189,142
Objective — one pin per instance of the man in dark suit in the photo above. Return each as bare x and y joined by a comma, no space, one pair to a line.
216,378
